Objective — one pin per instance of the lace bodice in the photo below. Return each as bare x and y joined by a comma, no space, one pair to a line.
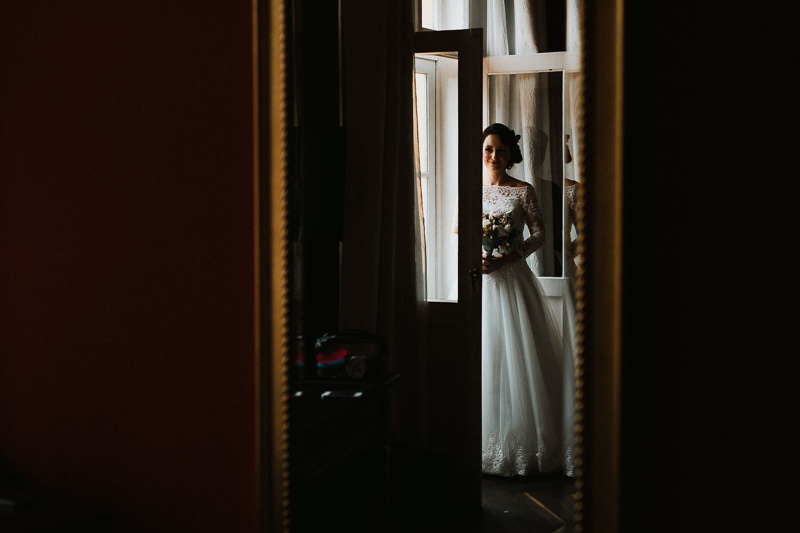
521,204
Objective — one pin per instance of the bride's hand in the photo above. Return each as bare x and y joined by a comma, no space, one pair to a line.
490,264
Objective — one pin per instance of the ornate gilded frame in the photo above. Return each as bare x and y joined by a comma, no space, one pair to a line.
599,290
271,274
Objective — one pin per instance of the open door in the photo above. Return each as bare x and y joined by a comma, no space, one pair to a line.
448,88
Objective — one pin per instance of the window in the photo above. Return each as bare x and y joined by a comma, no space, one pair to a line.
436,93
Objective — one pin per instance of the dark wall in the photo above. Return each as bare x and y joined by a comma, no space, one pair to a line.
126,258
126,263
710,306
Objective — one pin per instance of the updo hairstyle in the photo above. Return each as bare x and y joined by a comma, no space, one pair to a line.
508,137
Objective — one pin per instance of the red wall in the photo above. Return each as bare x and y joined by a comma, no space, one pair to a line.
126,257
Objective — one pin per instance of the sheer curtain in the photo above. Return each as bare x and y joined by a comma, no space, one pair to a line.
522,102
419,205
573,87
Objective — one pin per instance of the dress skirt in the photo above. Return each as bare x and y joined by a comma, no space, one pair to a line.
526,378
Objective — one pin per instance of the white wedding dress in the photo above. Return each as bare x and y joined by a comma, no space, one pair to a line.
525,405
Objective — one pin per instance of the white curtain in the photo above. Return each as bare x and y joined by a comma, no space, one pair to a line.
573,89
522,103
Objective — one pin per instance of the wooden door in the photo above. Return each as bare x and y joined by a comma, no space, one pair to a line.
452,365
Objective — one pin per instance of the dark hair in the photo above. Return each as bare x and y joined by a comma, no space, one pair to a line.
508,137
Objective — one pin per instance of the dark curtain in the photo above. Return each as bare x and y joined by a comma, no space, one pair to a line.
381,287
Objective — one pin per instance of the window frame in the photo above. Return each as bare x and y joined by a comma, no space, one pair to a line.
542,62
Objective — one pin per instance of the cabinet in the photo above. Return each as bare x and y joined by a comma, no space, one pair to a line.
340,453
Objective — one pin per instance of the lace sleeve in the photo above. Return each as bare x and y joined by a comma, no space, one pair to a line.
533,218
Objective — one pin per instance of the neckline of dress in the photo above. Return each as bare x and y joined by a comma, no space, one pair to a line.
503,186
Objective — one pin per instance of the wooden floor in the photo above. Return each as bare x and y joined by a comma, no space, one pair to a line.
537,504
415,494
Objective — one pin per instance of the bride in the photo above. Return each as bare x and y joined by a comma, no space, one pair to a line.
523,376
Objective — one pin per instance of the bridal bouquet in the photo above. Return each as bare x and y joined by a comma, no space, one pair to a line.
498,234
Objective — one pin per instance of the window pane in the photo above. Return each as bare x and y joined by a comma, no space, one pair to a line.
532,105
437,119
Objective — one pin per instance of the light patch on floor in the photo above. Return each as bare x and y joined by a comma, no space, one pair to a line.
550,515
